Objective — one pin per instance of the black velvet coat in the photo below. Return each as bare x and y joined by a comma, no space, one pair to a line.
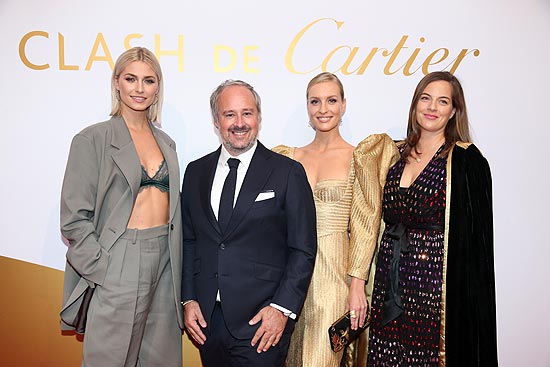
469,319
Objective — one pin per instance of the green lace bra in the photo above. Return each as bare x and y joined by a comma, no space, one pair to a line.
160,180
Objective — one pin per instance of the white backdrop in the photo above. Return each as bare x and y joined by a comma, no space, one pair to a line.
55,79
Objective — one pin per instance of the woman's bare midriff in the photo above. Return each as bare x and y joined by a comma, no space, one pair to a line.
150,209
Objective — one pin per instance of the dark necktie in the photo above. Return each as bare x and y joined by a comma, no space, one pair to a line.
228,194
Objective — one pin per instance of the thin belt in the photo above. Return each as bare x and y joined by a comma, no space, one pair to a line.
398,232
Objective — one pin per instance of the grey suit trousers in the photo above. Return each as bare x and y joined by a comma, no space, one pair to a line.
132,319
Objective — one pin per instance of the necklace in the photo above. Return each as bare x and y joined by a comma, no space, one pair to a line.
418,158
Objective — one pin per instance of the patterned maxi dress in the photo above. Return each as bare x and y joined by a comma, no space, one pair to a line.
418,212
329,287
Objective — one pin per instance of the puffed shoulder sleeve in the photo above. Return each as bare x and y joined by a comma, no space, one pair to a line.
372,159
284,150
78,200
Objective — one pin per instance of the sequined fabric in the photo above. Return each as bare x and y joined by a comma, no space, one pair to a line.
328,290
413,338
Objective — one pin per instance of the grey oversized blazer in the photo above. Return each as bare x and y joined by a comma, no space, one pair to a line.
100,187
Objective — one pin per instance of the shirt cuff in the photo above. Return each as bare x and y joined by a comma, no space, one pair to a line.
285,311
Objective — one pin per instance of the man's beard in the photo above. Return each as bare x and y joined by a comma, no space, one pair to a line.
236,150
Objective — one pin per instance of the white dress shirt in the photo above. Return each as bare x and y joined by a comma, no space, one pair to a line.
222,170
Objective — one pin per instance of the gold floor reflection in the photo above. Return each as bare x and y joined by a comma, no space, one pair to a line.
30,299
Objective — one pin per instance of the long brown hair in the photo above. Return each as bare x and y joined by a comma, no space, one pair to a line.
458,127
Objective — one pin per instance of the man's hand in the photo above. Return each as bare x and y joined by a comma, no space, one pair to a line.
270,331
193,320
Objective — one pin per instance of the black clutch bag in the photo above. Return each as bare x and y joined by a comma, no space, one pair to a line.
341,334
82,315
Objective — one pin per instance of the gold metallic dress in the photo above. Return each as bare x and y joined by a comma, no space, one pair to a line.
355,203
328,291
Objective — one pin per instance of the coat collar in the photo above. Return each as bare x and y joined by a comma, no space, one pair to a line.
256,176
121,135
206,181
126,158
171,157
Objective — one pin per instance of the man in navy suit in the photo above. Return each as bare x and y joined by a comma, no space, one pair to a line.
247,260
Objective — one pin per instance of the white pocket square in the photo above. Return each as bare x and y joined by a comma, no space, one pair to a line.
265,195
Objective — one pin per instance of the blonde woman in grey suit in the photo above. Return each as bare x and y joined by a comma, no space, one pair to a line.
120,212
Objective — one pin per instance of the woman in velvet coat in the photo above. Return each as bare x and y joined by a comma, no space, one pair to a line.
433,302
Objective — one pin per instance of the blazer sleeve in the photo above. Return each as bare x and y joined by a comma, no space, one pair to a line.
301,241
189,241
78,198
372,157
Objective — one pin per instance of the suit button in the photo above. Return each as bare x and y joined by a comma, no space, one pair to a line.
172,226
216,275
222,246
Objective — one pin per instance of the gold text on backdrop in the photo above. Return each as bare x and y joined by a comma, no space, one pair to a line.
231,56
351,56
95,54
336,58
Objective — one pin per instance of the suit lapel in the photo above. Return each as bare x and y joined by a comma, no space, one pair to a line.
126,158
171,158
206,180
255,179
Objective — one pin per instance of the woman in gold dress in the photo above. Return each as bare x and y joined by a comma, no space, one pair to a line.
338,281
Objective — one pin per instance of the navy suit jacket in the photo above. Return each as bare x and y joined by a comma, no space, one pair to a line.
266,254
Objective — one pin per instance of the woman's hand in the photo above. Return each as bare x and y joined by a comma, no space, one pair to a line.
357,303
